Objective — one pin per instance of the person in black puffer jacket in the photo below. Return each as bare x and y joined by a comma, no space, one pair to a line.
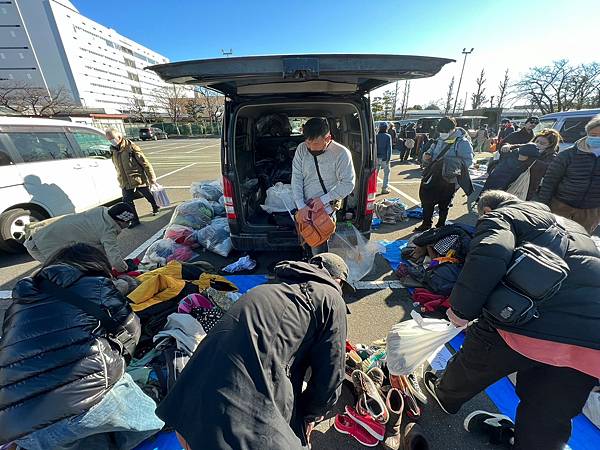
571,186
556,354
58,363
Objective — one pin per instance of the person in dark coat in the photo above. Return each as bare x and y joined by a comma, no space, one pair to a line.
57,361
384,154
571,185
507,128
556,355
506,145
243,388
510,168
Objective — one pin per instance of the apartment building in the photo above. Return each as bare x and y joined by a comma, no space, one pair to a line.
48,43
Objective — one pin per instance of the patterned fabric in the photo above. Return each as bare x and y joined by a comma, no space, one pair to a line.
208,318
446,244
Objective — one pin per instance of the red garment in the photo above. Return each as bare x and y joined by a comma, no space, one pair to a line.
429,300
583,359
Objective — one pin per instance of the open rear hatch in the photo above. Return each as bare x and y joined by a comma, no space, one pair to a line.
289,74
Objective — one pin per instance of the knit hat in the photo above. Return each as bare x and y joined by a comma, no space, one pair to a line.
533,119
446,124
383,126
336,267
529,150
123,212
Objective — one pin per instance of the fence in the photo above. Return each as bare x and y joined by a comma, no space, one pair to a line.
132,130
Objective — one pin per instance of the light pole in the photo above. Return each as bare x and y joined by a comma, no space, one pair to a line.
466,53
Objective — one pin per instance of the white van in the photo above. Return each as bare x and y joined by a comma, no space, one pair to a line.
49,168
570,124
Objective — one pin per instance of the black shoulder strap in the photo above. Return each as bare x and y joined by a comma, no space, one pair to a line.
442,153
319,174
85,305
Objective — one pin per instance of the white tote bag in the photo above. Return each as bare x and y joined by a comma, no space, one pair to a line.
520,187
411,342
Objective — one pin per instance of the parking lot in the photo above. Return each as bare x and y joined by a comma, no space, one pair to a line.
178,163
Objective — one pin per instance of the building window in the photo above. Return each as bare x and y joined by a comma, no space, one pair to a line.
136,90
133,76
129,62
139,102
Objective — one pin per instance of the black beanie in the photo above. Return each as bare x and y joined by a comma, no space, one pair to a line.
446,125
122,212
529,150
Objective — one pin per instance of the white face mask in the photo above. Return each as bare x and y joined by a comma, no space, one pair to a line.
114,142
444,135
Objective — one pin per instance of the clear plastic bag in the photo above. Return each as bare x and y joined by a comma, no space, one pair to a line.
178,233
194,214
165,250
352,247
208,190
160,195
215,237
411,342
279,199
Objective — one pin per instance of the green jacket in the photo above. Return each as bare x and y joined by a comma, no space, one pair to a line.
133,168
94,227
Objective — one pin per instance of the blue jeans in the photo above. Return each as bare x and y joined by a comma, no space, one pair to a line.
123,419
386,171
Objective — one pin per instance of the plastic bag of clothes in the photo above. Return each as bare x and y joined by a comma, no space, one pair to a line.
165,250
178,233
194,214
279,199
274,125
215,237
411,342
391,210
160,195
352,247
218,207
208,190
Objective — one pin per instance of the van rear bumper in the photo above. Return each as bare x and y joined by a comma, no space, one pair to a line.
261,242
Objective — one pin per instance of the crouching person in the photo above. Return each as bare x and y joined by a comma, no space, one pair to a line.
554,351
62,368
243,388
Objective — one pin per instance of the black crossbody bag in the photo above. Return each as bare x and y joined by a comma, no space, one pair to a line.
125,335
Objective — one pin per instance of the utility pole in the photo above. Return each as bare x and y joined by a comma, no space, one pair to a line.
465,103
466,53
492,101
227,54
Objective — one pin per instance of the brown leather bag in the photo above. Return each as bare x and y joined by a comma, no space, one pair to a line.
317,229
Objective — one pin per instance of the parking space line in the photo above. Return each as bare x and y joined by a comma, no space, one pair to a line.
398,191
5,295
198,149
147,243
177,170
376,285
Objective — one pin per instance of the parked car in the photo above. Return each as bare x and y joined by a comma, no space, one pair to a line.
427,125
570,124
49,168
265,95
152,133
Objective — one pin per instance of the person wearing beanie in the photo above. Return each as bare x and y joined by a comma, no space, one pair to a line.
98,226
384,155
452,149
247,374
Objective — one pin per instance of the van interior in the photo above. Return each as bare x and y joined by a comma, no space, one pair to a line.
266,137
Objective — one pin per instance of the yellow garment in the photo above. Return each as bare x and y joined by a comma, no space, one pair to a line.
155,289
172,269
448,259
217,282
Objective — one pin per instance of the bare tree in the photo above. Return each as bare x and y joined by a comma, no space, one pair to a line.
213,104
561,86
449,97
503,90
396,91
172,100
24,98
479,98
137,108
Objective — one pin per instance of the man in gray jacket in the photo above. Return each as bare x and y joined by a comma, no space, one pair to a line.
322,172
98,227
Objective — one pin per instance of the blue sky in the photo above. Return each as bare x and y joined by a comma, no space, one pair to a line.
514,35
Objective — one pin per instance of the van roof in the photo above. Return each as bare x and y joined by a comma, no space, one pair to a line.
36,121
579,112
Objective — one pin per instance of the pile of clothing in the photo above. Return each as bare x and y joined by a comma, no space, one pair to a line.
177,305
382,401
432,262
197,223
391,210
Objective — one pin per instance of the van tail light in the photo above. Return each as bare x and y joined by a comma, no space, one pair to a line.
371,193
229,195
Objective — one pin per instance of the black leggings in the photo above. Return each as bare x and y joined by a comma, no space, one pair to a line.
437,192
129,195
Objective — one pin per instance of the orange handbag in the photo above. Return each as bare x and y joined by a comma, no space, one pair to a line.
317,229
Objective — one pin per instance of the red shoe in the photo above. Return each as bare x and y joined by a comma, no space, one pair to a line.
374,427
346,425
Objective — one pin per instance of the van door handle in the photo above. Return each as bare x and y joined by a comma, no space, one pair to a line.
77,166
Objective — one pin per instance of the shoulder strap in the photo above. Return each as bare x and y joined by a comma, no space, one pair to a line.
443,152
319,174
94,310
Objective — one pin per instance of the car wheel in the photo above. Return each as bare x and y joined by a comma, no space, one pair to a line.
12,228
166,136
155,138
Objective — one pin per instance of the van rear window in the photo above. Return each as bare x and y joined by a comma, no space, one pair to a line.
35,147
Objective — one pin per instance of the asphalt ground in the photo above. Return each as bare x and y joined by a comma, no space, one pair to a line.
178,163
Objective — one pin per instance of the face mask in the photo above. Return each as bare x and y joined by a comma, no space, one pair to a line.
444,135
114,142
593,143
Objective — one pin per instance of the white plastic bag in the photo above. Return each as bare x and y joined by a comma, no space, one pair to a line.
352,247
279,198
592,407
411,342
520,187
160,195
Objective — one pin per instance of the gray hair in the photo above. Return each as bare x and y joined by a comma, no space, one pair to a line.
492,199
113,131
594,123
